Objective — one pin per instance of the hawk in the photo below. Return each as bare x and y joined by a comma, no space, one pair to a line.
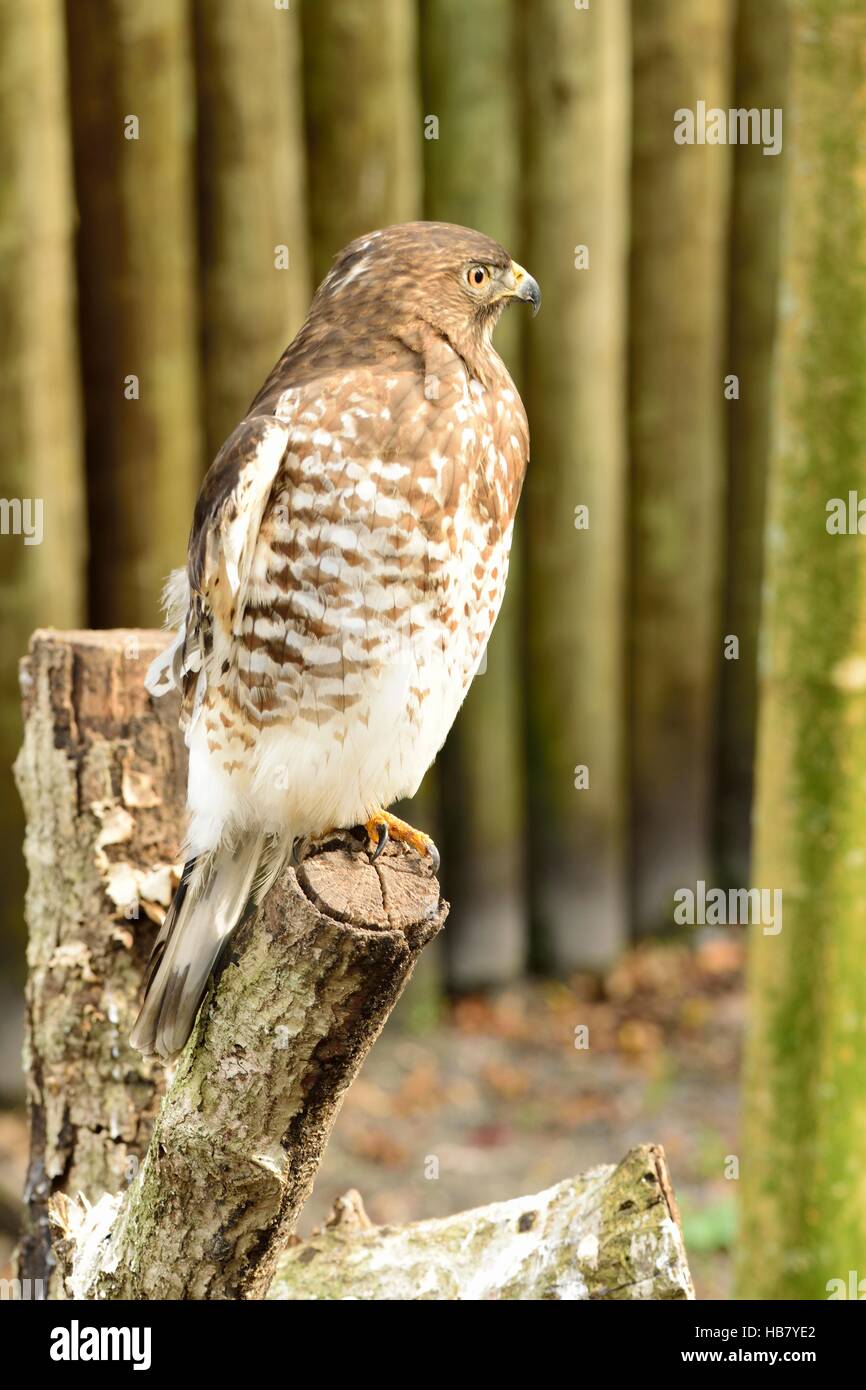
347,561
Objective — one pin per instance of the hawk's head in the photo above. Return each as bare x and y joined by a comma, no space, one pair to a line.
450,278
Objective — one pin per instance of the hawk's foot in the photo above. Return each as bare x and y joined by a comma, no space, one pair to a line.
383,827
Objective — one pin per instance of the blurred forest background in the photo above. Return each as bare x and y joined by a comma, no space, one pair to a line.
175,177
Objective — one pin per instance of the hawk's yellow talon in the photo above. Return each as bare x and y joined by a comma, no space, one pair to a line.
383,827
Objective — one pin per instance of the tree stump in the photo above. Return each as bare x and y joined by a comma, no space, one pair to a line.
101,774
186,1182
303,993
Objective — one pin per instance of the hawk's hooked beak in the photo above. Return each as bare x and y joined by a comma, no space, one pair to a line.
522,286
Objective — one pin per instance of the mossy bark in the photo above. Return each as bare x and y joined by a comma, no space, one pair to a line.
41,575
237,1144
610,1234
363,120
251,199
137,278
804,1200
761,52
471,92
680,205
576,195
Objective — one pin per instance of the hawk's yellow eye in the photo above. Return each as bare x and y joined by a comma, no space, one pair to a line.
477,275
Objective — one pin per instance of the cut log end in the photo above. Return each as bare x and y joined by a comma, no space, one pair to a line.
399,891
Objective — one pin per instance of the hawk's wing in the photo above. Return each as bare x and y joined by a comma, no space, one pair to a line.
222,542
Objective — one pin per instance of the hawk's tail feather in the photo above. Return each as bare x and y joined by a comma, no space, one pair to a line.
212,898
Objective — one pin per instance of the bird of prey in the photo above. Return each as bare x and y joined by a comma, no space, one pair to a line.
347,561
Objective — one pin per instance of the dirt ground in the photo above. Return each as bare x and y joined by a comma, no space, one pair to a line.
508,1094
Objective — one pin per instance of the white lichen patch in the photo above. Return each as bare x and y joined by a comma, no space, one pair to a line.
89,1227
137,789
116,824
121,885
671,1257
151,889
588,1250
643,1289
73,955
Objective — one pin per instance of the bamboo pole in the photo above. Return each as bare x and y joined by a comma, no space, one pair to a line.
471,95
363,120
43,541
132,103
254,275
680,204
761,51
576,196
